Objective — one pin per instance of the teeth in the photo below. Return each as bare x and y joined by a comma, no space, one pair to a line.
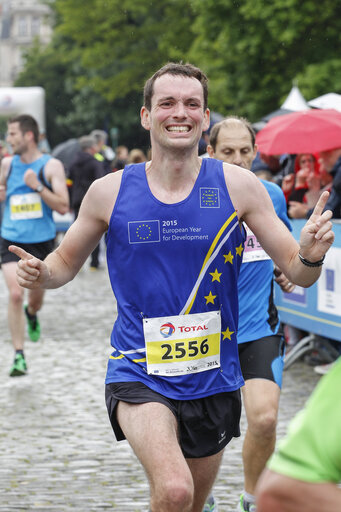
178,129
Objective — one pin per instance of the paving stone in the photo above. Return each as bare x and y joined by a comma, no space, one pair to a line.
58,450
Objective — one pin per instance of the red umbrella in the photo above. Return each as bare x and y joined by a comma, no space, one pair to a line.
308,131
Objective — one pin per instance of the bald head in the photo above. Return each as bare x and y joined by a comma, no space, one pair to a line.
233,141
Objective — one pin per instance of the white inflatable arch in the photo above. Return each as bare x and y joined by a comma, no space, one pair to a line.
23,100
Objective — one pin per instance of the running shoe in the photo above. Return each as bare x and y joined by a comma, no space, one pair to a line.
322,369
210,505
19,367
33,325
243,506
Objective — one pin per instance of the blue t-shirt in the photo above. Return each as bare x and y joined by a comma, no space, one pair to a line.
27,218
258,315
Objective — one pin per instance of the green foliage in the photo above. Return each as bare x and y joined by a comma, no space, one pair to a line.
253,50
321,78
72,111
49,67
124,41
102,52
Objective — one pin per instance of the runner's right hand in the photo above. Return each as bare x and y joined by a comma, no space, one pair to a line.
32,273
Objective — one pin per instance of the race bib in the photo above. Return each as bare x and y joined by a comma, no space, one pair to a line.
183,344
253,251
26,206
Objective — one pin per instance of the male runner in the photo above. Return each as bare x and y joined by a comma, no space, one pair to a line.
173,379
261,348
33,184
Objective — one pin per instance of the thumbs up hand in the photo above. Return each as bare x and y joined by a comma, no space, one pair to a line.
32,273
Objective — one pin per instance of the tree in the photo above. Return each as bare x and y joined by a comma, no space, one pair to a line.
45,67
102,52
95,67
124,45
253,50
71,110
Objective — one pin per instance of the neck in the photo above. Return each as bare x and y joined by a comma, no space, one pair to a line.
30,155
171,177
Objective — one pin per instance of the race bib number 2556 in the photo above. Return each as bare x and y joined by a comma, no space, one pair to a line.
183,344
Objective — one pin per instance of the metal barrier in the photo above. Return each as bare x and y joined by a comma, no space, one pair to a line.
317,309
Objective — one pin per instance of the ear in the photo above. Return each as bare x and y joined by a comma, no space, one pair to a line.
206,122
29,135
145,118
210,151
255,149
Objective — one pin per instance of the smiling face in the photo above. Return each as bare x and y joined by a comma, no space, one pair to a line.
234,145
177,117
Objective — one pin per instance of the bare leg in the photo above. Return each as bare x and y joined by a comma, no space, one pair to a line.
16,320
261,400
35,300
176,484
204,472
151,430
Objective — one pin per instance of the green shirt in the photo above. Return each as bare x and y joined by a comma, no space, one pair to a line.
312,449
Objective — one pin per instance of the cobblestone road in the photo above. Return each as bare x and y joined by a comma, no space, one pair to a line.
58,452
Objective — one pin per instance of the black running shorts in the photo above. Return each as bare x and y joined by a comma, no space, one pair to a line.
39,250
205,425
263,358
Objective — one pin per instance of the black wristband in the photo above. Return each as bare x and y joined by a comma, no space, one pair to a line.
308,263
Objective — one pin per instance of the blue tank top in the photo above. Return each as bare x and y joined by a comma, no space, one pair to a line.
258,316
27,219
170,259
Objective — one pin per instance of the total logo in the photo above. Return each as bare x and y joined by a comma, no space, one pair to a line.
168,329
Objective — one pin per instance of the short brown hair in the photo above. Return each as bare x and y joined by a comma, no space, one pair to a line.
176,69
27,123
226,122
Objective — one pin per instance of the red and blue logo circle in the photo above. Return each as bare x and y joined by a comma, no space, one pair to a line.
167,330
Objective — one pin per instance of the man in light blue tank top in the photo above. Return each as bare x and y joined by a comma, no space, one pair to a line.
174,249
261,347
32,184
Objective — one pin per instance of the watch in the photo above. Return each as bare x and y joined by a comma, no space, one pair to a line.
39,188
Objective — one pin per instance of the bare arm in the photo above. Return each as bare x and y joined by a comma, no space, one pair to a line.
254,206
283,494
58,197
5,165
62,265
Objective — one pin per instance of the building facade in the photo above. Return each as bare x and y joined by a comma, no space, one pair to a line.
21,23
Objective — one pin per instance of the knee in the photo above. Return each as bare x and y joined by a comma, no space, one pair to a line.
16,296
176,495
263,424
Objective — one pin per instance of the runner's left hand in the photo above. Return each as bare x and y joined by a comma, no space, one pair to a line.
317,235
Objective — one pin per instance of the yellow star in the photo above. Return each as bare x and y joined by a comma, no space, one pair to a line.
215,275
227,334
239,250
210,298
228,258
